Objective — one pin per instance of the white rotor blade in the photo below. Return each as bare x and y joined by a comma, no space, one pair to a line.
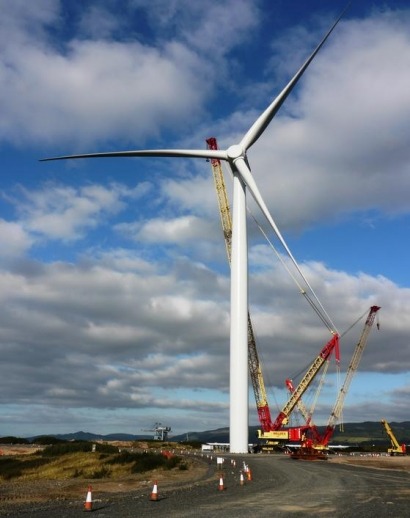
247,177
245,172
261,123
196,153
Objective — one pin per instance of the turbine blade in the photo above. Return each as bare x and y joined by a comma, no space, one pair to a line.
261,123
247,177
244,170
196,153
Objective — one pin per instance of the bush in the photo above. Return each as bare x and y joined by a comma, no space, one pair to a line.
10,468
14,468
149,461
172,462
56,450
47,439
106,448
13,440
125,457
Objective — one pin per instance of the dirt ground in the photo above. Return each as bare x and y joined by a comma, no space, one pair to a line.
375,461
200,470
18,449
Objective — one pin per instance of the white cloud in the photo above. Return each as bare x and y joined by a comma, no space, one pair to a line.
223,23
98,90
90,90
57,211
185,229
14,240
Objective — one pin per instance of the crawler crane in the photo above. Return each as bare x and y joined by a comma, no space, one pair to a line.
272,432
296,434
396,448
313,443
354,364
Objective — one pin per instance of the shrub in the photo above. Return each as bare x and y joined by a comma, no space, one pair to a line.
56,450
124,457
10,468
172,462
14,468
149,461
47,439
13,440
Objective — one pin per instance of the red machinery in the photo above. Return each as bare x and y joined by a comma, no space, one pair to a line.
273,432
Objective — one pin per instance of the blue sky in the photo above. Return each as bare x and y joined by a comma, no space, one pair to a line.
114,279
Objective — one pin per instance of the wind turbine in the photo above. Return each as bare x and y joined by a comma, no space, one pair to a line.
235,155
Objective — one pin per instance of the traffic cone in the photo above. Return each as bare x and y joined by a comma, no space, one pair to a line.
88,504
249,473
221,486
154,494
242,480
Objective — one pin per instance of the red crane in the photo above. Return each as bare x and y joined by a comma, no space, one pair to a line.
276,430
270,431
313,442
354,364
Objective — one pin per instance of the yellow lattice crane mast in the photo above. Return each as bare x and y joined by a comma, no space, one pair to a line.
253,358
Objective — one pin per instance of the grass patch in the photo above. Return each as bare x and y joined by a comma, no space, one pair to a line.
147,461
77,461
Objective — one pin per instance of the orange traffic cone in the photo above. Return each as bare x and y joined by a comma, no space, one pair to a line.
221,486
154,494
88,504
249,473
242,480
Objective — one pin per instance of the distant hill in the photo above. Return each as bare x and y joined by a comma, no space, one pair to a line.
219,435
86,436
372,432
369,432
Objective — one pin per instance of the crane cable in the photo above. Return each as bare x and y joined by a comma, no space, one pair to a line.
354,323
297,374
318,308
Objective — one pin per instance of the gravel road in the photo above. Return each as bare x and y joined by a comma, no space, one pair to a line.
280,487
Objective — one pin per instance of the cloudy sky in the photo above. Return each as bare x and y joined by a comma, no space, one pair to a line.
114,278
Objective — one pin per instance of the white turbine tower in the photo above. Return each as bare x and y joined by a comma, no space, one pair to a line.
235,155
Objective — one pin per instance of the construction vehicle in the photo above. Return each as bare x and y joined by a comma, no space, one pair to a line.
396,448
160,432
313,443
353,366
271,433
276,430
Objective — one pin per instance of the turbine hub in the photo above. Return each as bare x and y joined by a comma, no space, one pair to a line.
234,152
